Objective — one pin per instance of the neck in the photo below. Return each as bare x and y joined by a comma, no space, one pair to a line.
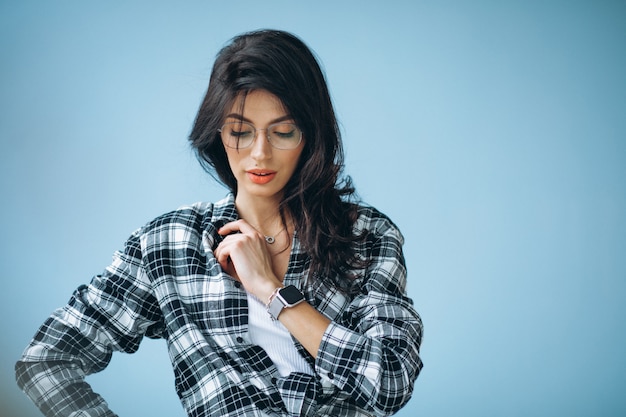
263,214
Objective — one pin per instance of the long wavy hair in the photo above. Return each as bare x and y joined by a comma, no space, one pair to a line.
319,199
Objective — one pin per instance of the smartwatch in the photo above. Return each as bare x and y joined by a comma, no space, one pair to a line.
285,297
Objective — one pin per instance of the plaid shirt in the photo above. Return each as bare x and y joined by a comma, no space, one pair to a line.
167,284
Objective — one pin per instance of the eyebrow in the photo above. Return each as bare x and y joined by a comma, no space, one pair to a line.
245,119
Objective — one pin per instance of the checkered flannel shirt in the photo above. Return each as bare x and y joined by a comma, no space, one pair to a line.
167,284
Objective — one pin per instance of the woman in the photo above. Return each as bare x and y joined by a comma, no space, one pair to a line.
283,299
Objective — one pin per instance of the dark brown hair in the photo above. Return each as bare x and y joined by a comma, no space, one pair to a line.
317,197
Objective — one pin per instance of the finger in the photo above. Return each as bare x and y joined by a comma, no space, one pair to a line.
227,266
228,228
222,254
237,226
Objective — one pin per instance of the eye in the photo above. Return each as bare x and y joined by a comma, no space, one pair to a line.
284,131
240,134
238,130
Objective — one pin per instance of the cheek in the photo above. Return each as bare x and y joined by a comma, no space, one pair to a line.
299,159
294,160
233,158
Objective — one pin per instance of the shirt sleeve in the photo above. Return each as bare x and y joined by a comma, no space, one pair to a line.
112,313
371,352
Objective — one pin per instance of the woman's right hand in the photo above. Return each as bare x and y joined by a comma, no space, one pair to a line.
243,254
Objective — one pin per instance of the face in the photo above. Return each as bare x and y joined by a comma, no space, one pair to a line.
261,170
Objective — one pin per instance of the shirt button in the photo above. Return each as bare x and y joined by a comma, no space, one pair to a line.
274,381
239,339
237,284
331,375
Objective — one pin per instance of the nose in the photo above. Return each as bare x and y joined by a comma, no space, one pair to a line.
261,147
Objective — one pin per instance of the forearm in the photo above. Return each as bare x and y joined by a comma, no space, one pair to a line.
306,324
59,389
75,341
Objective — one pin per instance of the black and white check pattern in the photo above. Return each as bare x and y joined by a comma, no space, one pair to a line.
167,284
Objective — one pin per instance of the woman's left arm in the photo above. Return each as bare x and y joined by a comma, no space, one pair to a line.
371,351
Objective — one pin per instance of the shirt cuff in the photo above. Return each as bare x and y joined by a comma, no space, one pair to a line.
340,358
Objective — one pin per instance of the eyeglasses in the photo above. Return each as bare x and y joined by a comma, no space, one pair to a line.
241,135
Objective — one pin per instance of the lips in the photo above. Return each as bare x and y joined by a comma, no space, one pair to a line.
261,176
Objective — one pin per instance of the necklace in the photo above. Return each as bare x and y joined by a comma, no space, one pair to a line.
286,247
272,239
269,238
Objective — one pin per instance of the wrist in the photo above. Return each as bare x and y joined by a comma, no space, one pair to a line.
272,296
262,286
282,298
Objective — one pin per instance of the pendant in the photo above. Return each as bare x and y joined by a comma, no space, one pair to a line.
270,239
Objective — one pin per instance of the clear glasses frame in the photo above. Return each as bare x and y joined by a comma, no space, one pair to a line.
241,135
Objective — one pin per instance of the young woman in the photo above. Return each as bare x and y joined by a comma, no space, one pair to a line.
285,298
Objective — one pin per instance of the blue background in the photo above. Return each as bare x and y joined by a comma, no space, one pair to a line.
492,132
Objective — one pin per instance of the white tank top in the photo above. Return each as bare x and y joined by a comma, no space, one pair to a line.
275,339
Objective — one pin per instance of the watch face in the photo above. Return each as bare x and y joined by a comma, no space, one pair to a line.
291,294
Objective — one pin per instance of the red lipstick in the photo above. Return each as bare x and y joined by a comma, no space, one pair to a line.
261,176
